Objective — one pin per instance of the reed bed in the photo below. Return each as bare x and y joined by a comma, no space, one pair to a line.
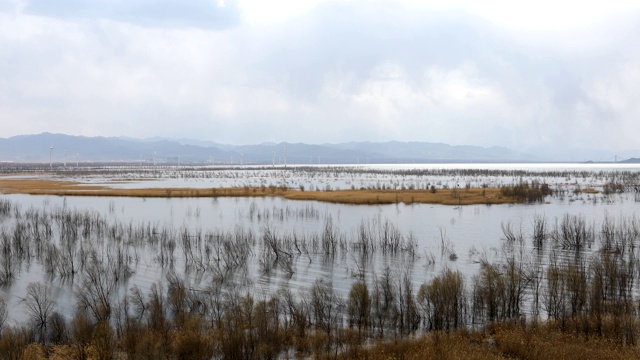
467,196
445,196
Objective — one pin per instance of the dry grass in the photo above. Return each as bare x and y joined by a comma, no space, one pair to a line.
590,191
548,342
443,196
537,342
440,346
71,188
502,342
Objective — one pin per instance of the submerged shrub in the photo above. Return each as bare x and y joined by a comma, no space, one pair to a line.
443,301
359,306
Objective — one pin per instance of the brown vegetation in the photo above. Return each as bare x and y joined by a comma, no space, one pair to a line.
453,196
499,341
527,192
441,196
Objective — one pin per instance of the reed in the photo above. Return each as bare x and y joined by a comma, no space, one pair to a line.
454,196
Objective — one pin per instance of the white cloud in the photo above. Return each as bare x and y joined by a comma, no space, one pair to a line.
612,110
260,12
539,16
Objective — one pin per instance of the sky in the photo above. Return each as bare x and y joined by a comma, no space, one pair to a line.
532,76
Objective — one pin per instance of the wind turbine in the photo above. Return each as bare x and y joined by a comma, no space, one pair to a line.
274,158
65,157
285,156
241,159
77,159
51,157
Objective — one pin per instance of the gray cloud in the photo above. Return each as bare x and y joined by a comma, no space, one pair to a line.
350,38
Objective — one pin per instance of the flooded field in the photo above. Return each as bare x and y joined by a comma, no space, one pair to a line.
340,177
92,252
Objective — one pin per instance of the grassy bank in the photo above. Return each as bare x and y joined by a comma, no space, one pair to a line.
467,196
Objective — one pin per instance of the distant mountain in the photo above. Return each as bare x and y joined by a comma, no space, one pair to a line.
36,148
410,151
631,161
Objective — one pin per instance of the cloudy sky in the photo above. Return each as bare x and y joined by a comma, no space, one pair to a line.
548,74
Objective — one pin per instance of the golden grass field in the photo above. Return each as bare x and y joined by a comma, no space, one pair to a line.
368,196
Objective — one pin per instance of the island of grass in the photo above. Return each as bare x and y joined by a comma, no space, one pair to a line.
467,196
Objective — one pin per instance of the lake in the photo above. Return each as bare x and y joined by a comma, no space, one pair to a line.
290,244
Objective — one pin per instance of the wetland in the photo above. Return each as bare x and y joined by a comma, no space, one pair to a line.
260,262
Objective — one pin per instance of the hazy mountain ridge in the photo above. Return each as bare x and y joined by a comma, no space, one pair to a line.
632,160
35,148
438,151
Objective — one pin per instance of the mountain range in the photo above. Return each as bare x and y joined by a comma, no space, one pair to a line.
60,148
